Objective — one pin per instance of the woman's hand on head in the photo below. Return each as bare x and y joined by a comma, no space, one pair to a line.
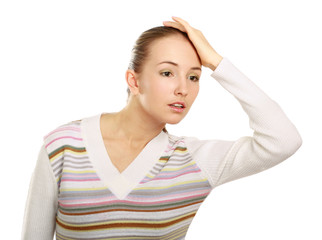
208,56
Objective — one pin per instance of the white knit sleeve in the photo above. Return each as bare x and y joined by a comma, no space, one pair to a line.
274,138
41,206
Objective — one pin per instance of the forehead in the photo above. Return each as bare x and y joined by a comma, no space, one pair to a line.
175,48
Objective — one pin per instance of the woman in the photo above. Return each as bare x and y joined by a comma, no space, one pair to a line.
123,176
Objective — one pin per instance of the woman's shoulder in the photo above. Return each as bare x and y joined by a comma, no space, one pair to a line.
68,133
70,128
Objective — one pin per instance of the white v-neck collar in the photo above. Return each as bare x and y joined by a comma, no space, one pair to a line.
121,184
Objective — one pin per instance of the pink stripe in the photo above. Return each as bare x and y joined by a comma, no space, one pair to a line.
79,180
169,148
76,129
78,175
140,200
80,139
134,203
105,200
193,168
190,195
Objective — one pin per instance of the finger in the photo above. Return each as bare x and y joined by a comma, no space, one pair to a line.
188,29
181,21
174,25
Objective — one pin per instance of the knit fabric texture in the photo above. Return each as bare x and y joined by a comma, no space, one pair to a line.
77,193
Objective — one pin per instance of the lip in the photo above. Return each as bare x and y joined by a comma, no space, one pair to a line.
182,103
176,108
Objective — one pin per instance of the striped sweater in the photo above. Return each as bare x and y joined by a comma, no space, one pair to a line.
77,193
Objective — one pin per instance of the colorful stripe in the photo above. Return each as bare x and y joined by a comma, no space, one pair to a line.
162,206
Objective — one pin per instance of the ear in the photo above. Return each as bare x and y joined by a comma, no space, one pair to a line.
132,81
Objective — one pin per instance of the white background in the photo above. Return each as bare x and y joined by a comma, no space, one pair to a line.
65,60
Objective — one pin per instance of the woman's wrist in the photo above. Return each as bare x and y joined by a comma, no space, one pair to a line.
214,62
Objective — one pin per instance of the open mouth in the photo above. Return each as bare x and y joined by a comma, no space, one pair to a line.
178,106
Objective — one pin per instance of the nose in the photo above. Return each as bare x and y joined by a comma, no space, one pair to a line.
182,87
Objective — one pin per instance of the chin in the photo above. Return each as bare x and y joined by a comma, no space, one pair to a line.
174,120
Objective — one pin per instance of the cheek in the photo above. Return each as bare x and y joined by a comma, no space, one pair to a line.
194,90
163,87
154,91
156,86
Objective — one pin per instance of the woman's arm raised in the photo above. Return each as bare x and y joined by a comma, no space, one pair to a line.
274,139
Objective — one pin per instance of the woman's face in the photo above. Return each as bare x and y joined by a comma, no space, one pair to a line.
170,75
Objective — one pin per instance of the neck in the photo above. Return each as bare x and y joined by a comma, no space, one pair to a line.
135,125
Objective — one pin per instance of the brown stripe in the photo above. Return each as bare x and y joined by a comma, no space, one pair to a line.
125,224
129,210
180,148
164,158
63,148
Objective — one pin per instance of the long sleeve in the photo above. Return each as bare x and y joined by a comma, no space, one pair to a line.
274,138
41,206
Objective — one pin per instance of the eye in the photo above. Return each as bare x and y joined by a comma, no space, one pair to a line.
166,73
194,78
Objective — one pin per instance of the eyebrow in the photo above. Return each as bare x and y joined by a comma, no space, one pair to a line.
176,64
